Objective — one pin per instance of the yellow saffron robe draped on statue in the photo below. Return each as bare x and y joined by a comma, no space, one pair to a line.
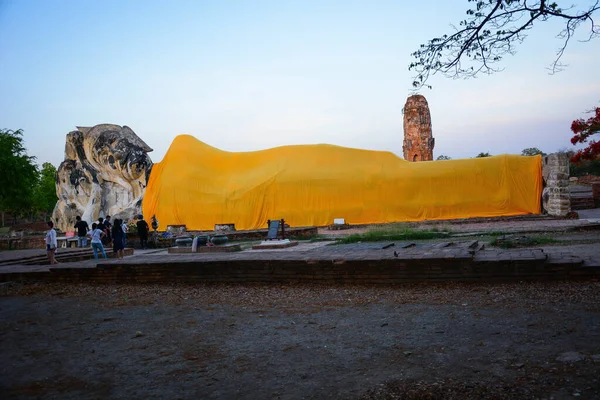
310,185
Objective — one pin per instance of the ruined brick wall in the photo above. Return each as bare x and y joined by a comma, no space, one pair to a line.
556,198
418,139
19,243
596,194
372,272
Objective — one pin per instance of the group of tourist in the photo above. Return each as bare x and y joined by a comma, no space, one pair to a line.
103,233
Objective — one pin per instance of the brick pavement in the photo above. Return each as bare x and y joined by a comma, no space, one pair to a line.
424,254
588,253
514,226
316,262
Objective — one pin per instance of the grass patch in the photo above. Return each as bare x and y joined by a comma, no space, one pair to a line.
495,233
443,228
523,241
380,235
318,238
545,240
248,245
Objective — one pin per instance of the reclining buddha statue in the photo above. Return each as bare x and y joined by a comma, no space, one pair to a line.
311,185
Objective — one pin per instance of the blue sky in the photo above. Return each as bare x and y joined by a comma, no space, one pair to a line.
249,75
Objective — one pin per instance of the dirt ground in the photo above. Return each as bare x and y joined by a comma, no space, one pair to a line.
526,340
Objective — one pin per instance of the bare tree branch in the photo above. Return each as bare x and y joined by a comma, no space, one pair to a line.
491,31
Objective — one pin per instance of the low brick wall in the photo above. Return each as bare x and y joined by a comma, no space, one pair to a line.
63,256
261,234
378,272
596,194
18,243
206,249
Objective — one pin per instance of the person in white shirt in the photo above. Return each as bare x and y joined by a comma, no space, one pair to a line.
51,243
97,235
125,230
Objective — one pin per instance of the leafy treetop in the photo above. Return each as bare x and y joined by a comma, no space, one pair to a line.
19,172
45,191
532,151
491,30
23,188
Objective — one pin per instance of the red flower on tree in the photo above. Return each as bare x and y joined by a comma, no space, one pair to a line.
583,130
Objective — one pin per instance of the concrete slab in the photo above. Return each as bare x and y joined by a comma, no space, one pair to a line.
205,249
275,244
590,214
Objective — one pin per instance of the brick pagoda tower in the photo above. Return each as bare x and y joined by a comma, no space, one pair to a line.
418,141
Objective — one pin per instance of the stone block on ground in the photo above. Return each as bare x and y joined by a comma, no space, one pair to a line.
275,244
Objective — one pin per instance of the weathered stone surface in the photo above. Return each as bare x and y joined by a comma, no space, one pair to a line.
418,139
556,198
105,172
224,227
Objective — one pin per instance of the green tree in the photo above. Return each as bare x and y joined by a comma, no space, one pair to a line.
491,30
19,173
443,157
585,167
45,191
480,155
532,151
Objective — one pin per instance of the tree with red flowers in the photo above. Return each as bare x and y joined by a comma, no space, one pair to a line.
583,129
